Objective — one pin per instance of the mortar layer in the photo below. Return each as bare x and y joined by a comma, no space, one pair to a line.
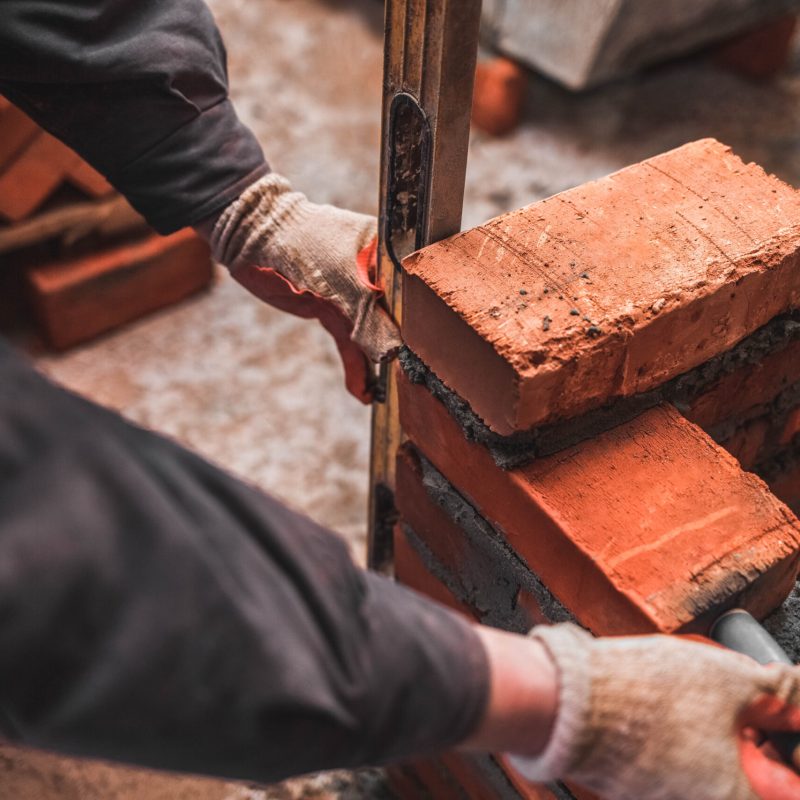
519,448
784,625
607,290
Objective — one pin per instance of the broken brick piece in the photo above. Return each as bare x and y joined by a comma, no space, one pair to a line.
33,175
606,290
649,526
499,95
78,299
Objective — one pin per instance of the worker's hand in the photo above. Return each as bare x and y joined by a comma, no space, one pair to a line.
664,718
313,261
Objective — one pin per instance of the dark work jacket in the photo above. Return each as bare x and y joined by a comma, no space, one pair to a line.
140,89
153,609
157,611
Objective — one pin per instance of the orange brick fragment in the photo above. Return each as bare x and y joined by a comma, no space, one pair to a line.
78,299
606,290
499,96
650,526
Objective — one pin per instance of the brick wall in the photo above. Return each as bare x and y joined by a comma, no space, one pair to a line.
595,387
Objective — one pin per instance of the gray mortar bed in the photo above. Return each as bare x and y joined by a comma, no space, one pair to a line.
520,448
784,625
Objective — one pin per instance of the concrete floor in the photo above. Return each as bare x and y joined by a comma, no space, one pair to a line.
260,392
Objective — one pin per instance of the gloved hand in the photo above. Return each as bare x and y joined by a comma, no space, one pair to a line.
312,261
664,718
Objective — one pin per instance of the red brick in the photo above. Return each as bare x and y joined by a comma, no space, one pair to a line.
457,777
78,299
762,52
747,391
647,527
17,129
499,96
33,176
667,263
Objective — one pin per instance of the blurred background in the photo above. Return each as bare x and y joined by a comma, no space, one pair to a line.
261,393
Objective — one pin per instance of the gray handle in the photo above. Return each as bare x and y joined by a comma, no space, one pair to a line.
740,631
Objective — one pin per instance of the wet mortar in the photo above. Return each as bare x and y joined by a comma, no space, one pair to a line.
221,373
518,449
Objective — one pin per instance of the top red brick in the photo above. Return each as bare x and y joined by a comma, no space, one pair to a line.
608,289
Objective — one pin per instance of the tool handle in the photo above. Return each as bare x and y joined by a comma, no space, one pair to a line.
740,631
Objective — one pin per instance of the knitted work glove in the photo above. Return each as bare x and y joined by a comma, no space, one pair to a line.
313,261
664,718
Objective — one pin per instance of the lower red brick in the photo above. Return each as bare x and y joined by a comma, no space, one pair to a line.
647,527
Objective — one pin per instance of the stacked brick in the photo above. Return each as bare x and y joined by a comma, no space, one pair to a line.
589,384
72,250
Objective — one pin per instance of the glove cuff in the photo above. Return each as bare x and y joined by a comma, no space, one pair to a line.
569,647
270,199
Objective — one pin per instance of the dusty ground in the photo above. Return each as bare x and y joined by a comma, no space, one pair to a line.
260,392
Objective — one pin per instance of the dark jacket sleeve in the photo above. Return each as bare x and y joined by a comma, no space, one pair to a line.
154,610
139,88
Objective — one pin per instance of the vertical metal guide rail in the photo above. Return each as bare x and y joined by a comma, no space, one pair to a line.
429,68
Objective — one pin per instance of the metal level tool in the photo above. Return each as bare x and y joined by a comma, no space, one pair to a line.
430,53
739,631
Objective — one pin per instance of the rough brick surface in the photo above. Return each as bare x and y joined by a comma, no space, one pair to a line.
81,298
649,526
608,289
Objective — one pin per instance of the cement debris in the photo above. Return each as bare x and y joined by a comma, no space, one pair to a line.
784,625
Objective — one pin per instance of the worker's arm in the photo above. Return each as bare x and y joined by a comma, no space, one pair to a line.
155,610
139,88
